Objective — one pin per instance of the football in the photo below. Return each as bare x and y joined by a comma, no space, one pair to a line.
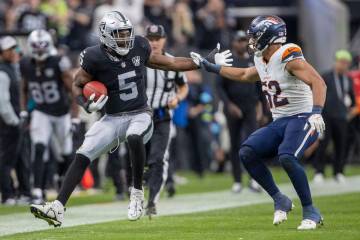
94,87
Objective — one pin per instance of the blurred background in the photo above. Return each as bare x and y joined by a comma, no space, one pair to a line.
213,120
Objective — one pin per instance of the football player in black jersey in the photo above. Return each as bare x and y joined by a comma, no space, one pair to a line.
118,62
47,80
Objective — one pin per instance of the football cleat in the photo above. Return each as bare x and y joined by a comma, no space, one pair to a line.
51,212
135,209
151,210
236,187
308,224
318,178
282,207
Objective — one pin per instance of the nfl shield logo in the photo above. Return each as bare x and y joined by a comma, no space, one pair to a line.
136,61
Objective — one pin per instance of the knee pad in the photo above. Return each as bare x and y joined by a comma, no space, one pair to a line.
288,162
134,140
247,154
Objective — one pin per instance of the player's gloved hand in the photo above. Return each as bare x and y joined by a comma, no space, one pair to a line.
316,121
221,59
91,105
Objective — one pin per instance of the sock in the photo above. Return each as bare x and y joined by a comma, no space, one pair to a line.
73,177
39,165
257,170
137,158
298,178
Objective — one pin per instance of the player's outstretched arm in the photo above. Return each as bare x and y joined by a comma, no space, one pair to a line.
249,74
306,73
223,67
168,63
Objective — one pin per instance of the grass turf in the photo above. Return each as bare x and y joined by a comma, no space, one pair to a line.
209,183
341,212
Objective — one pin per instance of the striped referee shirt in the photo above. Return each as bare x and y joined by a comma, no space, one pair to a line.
161,85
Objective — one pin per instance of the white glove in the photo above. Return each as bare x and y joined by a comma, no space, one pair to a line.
197,58
95,106
317,123
224,58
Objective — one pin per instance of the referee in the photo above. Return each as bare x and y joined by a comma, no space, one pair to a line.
165,89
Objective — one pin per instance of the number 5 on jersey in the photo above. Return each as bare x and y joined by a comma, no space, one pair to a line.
128,89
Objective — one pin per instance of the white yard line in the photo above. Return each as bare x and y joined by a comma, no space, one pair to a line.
190,203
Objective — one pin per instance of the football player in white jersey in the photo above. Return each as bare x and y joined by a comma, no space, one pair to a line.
296,94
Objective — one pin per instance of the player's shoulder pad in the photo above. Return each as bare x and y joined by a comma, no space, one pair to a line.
290,52
89,54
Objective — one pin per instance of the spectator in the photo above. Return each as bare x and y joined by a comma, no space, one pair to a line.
32,19
155,13
57,12
9,117
200,113
79,22
134,10
240,101
12,13
210,22
183,28
338,106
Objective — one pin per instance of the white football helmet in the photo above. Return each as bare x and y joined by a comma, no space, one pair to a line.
40,44
116,32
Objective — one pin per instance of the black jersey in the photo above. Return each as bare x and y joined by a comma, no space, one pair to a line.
45,84
122,76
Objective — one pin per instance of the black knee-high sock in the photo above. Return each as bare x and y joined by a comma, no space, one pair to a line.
39,165
137,158
73,177
298,178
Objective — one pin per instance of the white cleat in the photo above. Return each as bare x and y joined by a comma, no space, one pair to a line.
135,209
318,179
236,187
308,224
281,216
340,178
52,212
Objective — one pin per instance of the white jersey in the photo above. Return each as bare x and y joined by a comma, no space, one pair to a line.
286,94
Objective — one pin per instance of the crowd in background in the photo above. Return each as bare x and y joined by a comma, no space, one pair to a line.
218,114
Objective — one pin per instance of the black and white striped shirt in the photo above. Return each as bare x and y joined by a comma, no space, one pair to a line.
161,85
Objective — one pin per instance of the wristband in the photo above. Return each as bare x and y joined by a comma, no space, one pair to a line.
317,109
210,67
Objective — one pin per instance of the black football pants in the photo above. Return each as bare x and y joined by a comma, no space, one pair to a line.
157,159
9,140
239,130
336,130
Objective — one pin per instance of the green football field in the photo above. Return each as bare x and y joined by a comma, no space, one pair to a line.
341,212
249,221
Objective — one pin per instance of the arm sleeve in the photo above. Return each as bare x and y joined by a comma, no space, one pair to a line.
7,112
292,52
220,89
86,62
